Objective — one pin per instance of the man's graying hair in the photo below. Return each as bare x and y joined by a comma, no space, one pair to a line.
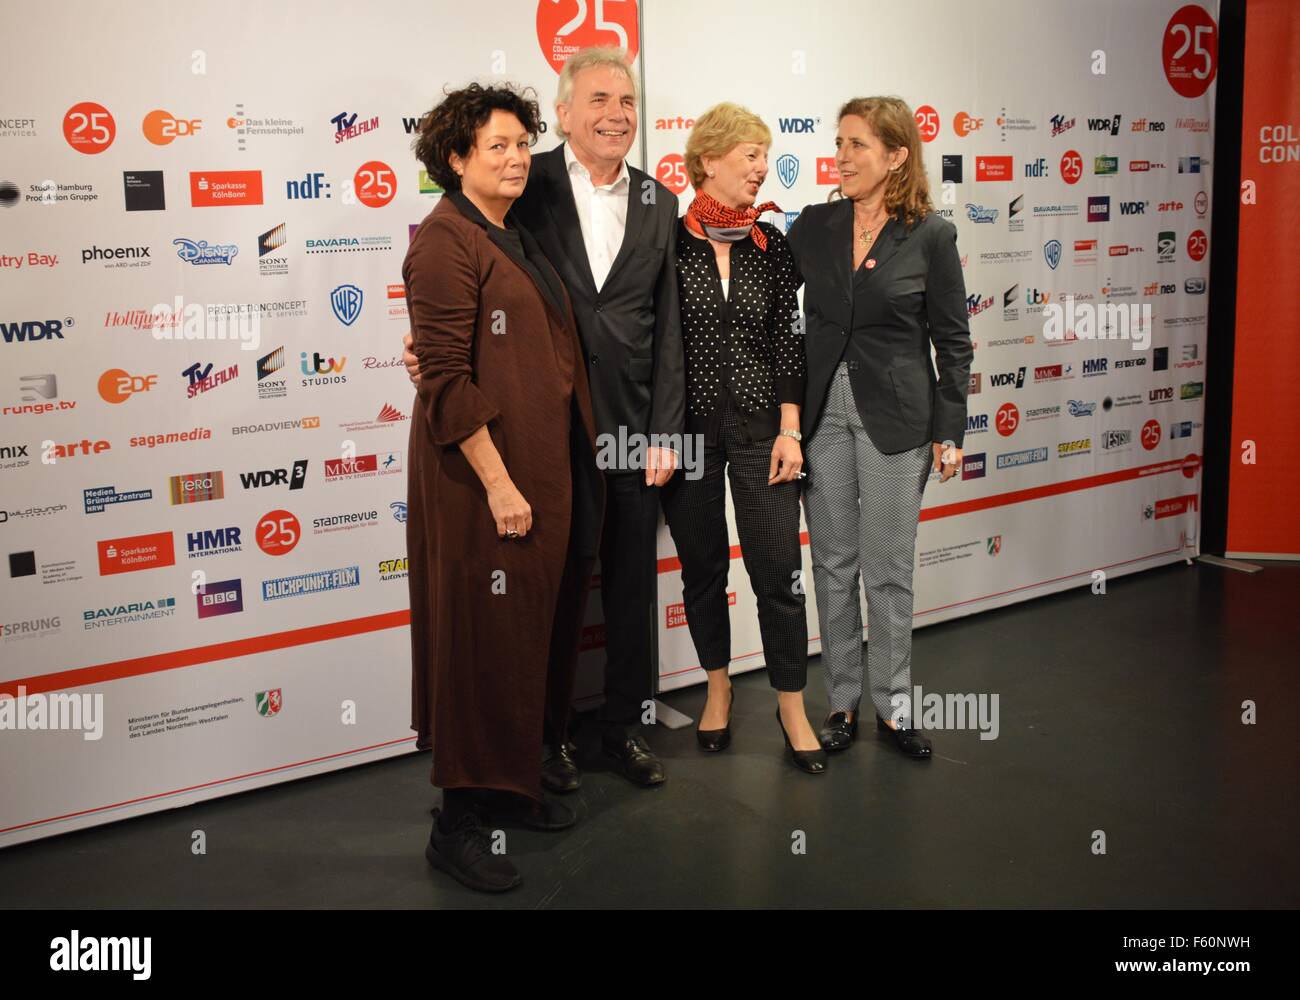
596,55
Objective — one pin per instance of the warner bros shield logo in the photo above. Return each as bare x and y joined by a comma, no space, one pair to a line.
787,169
346,302
268,702
1052,253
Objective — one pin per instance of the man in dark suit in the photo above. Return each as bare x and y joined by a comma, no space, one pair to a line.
610,231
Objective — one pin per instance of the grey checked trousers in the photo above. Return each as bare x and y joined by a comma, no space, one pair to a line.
862,509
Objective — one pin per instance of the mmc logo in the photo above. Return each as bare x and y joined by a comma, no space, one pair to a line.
345,300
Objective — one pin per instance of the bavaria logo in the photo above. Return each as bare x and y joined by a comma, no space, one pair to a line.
1052,253
787,169
345,300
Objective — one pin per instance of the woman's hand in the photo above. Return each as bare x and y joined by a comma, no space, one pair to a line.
787,460
947,456
510,510
410,360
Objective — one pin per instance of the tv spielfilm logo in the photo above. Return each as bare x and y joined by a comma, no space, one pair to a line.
345,300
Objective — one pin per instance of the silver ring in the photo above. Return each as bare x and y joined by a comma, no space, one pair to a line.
512,534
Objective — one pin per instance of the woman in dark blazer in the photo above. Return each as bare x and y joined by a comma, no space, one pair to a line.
504,498
882,283
738,290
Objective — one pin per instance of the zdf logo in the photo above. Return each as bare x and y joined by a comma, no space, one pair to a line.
117,386
161,127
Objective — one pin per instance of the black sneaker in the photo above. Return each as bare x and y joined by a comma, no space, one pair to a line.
466,855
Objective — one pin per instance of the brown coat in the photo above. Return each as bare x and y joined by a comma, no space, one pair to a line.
494,623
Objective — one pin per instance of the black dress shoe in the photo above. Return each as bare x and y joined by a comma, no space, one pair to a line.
838,733
908,741
636,760
812,761
714,740
465,853
560,770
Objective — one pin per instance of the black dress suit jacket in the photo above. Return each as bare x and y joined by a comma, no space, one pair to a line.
882,320
630,328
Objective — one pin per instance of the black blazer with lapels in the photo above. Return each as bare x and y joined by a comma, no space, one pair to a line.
882,320
630,328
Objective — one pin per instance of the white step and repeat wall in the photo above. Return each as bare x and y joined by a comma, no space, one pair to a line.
251,182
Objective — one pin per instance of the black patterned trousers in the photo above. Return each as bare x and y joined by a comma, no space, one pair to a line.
767,520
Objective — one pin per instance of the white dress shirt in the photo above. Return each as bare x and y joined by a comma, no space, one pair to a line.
602,214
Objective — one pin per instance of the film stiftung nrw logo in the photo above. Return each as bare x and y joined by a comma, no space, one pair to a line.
102,954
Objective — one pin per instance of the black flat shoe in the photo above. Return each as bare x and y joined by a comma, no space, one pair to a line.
713,740
839,732
465,853
560,769
812,761
908,741
636,761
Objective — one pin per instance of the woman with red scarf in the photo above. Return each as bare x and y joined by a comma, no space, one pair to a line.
745,384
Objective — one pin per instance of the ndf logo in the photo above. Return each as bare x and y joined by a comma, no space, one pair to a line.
1052,253
345,300
269,702
787,169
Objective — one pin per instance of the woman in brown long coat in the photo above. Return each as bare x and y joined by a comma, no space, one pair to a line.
504,497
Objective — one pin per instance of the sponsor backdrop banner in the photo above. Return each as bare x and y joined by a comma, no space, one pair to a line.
202,485
1264,480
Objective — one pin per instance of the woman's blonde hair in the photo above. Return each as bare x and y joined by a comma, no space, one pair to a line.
907,191
720,130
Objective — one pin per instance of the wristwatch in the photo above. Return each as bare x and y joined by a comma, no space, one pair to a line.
788,432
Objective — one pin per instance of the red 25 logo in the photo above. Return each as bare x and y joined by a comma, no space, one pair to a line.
1007,419
1071,166
927,120
1150,434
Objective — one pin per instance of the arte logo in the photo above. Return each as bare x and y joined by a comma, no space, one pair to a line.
117,386
347,127
927,122
964,124
135,552
346,300
32,330
1007,419
278,532
195,487
162,128
224,598
1071,166
993,168
218,188
678,124
203,252
74,448
375,184
89,128
1197,245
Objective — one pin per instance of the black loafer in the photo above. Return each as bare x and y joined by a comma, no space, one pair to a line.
908,741
713,740
466,855
636,761
560,769
839,732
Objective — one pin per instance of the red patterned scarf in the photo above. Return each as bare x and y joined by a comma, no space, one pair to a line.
708,211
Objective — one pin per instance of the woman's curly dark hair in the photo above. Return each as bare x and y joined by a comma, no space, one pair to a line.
455,120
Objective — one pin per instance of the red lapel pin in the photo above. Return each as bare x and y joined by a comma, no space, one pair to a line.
871,262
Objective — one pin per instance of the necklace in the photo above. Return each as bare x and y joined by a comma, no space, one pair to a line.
866,234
